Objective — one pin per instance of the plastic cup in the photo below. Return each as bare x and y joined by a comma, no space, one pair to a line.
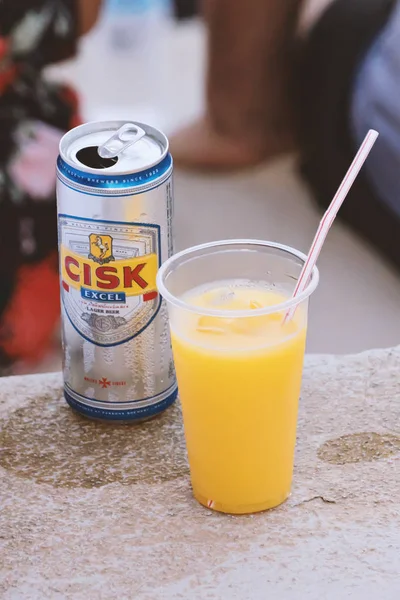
239,367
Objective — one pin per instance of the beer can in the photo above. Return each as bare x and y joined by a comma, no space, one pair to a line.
115,209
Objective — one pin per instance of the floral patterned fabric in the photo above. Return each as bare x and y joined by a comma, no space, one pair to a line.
34,114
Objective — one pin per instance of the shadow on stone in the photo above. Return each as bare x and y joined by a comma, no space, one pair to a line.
359,447
47,442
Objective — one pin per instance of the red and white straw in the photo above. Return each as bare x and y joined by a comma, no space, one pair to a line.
330,215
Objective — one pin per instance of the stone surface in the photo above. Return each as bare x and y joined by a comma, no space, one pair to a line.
95,511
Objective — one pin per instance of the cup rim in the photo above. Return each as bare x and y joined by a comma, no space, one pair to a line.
192,250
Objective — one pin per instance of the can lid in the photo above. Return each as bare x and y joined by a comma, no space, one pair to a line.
135,147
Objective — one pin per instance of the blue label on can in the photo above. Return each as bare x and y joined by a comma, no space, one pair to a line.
115,182
103,296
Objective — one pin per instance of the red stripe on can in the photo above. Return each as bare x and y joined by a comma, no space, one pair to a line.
65,286
150,296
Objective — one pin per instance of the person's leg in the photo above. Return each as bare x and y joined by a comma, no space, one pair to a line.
248,115
375,103
331,59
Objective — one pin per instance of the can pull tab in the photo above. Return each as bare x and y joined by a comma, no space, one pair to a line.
126,136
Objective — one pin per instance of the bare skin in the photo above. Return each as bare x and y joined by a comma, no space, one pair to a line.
88,13
248,115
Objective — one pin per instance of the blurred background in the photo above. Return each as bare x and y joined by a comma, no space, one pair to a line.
145,60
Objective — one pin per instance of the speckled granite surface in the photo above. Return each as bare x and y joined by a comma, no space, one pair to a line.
95,511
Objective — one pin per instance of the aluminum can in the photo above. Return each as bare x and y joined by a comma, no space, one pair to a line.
115,210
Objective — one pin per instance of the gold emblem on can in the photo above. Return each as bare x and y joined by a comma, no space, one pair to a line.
101,248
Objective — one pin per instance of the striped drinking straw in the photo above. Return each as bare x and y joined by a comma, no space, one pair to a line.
330,215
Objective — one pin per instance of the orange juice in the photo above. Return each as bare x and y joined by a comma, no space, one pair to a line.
239,382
